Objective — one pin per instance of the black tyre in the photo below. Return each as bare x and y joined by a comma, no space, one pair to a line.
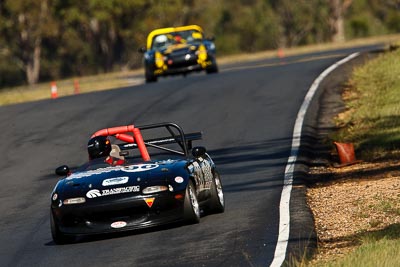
217,201
58,237
150,78
191,207
213,68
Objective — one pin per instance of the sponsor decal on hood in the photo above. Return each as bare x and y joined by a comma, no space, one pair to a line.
92,172
179,179
131,168
166,161
115,181
113,191
149,201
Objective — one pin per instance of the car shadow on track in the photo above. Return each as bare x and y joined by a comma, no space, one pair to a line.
253,166
253,156
122,234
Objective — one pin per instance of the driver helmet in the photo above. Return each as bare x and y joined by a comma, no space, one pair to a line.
197,35
178,39
98,147
161,40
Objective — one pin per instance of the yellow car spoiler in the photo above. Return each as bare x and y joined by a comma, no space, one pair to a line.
169,30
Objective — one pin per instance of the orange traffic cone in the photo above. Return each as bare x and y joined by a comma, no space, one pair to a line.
53,89
281,54
346,153
76,86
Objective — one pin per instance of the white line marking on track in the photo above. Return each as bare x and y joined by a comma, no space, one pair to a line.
284,211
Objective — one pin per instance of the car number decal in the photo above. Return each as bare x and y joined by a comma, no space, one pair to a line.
139,167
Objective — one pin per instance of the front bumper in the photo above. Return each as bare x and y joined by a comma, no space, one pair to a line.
119,215
182,64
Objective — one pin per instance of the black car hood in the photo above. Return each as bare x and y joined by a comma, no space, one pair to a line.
180,48
132,178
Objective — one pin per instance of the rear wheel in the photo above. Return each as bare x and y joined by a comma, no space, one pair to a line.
217,201
58,237
191,208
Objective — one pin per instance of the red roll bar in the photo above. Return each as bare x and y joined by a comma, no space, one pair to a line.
114,130
120,133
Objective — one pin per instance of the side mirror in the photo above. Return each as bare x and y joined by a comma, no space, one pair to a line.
199,151
142,50
62,170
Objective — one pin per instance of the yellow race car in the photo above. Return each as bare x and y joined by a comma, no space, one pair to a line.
178,50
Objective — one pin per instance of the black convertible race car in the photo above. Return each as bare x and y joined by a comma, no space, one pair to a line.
178,50
157,182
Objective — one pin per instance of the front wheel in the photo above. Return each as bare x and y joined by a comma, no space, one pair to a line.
217,201
191,207
150,77
58,237
213,68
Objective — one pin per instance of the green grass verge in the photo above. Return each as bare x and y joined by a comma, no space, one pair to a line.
380,248
372,121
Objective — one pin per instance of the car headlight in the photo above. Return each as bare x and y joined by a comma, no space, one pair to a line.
154,189
76,200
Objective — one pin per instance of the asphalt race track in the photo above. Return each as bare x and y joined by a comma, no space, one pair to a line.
247,114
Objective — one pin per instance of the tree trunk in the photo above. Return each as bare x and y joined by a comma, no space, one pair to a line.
33,42
338,30
33,65
338,9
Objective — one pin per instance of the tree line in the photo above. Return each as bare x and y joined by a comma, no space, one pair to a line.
42,40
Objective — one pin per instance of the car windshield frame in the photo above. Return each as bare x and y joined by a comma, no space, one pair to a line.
171,30
176,38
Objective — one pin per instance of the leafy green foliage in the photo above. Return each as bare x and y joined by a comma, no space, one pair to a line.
374,121
52,39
